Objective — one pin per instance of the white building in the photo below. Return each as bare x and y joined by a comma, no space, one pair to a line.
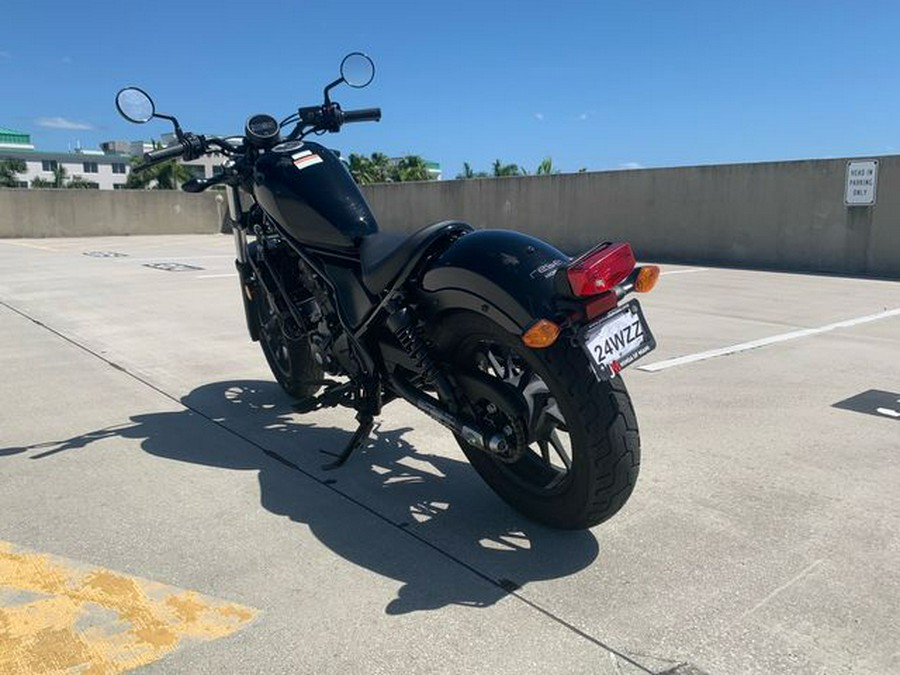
103,171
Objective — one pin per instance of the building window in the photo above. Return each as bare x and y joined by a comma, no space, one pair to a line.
22,183
118,186
118,167
49,165
90,167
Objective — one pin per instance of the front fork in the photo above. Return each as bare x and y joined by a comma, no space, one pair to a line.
236,214
249,287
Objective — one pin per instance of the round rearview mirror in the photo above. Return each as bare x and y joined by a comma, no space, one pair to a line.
135,105
357,69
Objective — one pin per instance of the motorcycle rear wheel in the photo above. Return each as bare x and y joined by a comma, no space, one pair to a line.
576,447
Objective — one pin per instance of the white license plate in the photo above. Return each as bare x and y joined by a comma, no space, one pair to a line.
617,340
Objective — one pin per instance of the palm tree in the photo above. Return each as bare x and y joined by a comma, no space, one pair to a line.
501,169
412,167
382,168
9,170
58,181
362,169
81,183
545,168
166,176
379,168
468,173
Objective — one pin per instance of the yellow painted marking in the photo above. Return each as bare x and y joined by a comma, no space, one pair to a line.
57,616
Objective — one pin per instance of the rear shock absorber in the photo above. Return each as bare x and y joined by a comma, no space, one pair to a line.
401,325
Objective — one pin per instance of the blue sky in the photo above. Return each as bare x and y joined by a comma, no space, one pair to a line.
594,84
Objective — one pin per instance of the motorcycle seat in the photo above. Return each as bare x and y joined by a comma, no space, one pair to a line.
385,256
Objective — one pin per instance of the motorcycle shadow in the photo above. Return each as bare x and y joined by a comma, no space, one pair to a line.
438,500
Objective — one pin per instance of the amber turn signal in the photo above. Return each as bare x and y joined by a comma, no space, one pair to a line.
542,333
646,279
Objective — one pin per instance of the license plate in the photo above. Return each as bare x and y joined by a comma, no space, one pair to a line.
617,340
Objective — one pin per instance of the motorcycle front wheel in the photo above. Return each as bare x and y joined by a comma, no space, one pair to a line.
290,360
574,448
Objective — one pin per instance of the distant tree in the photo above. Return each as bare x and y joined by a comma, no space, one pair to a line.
165,176
9,172
59,179
545,168
362,169
411,168
81,183
382,167
468,173
582,170
501,169
379,168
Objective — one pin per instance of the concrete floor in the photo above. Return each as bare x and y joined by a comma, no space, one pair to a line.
141,433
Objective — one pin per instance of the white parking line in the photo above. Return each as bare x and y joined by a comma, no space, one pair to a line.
217,276
755,344
163,258
693,269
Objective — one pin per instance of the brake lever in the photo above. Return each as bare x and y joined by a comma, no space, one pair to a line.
201,184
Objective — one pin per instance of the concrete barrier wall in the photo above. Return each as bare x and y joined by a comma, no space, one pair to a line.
785,215
85,213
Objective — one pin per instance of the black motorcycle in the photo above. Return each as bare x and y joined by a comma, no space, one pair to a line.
508,342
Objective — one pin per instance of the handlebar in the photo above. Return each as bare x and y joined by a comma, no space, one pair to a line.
175,150
191,146
362,115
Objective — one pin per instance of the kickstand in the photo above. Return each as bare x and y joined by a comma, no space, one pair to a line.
366,422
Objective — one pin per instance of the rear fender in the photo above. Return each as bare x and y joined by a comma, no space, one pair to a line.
505,275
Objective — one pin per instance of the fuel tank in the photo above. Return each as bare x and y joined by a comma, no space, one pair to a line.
310,193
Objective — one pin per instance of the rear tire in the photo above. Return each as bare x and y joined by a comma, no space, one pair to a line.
576,447
290,359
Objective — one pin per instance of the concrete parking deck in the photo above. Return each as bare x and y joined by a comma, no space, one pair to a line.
143,443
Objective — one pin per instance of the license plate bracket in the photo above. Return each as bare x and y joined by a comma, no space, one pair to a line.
617,340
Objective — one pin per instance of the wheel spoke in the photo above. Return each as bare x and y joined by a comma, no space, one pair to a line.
508,376
496,365
557,444
553,410
545,451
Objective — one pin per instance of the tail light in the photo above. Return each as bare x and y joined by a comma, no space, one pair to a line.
601,268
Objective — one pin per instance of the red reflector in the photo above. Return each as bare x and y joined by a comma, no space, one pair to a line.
600,305
600,269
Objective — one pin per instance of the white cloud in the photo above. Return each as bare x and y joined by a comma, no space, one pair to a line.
539,117
631,165
62,123
583,116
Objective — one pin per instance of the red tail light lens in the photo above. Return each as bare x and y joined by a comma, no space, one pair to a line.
600,269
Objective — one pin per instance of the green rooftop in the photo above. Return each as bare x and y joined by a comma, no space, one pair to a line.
11,136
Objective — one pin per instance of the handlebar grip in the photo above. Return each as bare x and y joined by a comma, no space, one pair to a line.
176,150
362,115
